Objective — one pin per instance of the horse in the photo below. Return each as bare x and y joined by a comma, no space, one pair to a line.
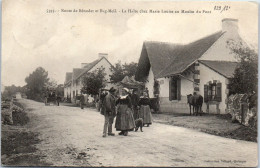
189,101
196,102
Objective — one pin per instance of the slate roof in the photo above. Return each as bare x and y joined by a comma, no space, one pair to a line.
77,72
224,68
89,66
167,59
68,77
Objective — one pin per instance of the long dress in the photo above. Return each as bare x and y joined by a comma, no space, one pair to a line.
145,111
124,118
135,101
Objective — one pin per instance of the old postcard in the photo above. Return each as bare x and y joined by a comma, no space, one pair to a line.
129,83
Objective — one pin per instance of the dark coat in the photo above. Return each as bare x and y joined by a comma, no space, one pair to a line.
135,100
144,101
109,105
127,101
124,119
82,99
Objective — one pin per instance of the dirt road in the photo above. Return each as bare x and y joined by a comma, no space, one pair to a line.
73,137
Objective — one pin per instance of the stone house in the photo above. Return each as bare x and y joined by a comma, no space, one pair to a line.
73,80
205,66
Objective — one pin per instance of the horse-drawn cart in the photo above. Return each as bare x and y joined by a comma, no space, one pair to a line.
51,97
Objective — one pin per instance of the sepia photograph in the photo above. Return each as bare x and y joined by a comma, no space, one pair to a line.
102,83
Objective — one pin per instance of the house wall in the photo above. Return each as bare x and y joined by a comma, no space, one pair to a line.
165,104
206,75
150,83
181,106
105,64
73,88
175,106
187,85
77,87
220,51
67,91
164,87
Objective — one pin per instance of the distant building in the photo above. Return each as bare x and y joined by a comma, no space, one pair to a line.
18,95
73,80
203,66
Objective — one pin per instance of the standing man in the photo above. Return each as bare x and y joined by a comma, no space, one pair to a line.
82,101
102,96
109,106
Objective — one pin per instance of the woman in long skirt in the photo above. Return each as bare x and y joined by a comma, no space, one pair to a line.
145,111
135,101
124,119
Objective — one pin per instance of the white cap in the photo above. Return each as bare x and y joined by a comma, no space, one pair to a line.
127,90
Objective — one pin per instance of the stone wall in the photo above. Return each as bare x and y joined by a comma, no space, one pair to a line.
238,107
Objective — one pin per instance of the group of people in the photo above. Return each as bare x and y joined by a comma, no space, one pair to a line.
127,108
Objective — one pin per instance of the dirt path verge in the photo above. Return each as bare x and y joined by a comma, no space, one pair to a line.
70,136
18,142
219,125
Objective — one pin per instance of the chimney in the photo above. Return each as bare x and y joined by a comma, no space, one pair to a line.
101,55
83,65
230,25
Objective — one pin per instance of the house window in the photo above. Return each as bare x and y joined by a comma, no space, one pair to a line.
156,88
175,88
212,91
73,94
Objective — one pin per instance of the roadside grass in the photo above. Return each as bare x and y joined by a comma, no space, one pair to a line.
18,143
219,125
20,118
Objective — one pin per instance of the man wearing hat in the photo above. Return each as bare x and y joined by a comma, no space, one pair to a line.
109,105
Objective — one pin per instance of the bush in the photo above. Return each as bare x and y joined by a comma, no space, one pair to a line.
246,73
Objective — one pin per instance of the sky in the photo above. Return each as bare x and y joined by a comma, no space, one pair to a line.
61,41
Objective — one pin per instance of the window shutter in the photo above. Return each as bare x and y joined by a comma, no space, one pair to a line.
218,92
179,89
206,87
170,89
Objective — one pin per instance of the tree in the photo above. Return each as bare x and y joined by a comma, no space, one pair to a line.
52,83
117,73
36,83
246,74
60,90
93,81
11,91
130,69
120,71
